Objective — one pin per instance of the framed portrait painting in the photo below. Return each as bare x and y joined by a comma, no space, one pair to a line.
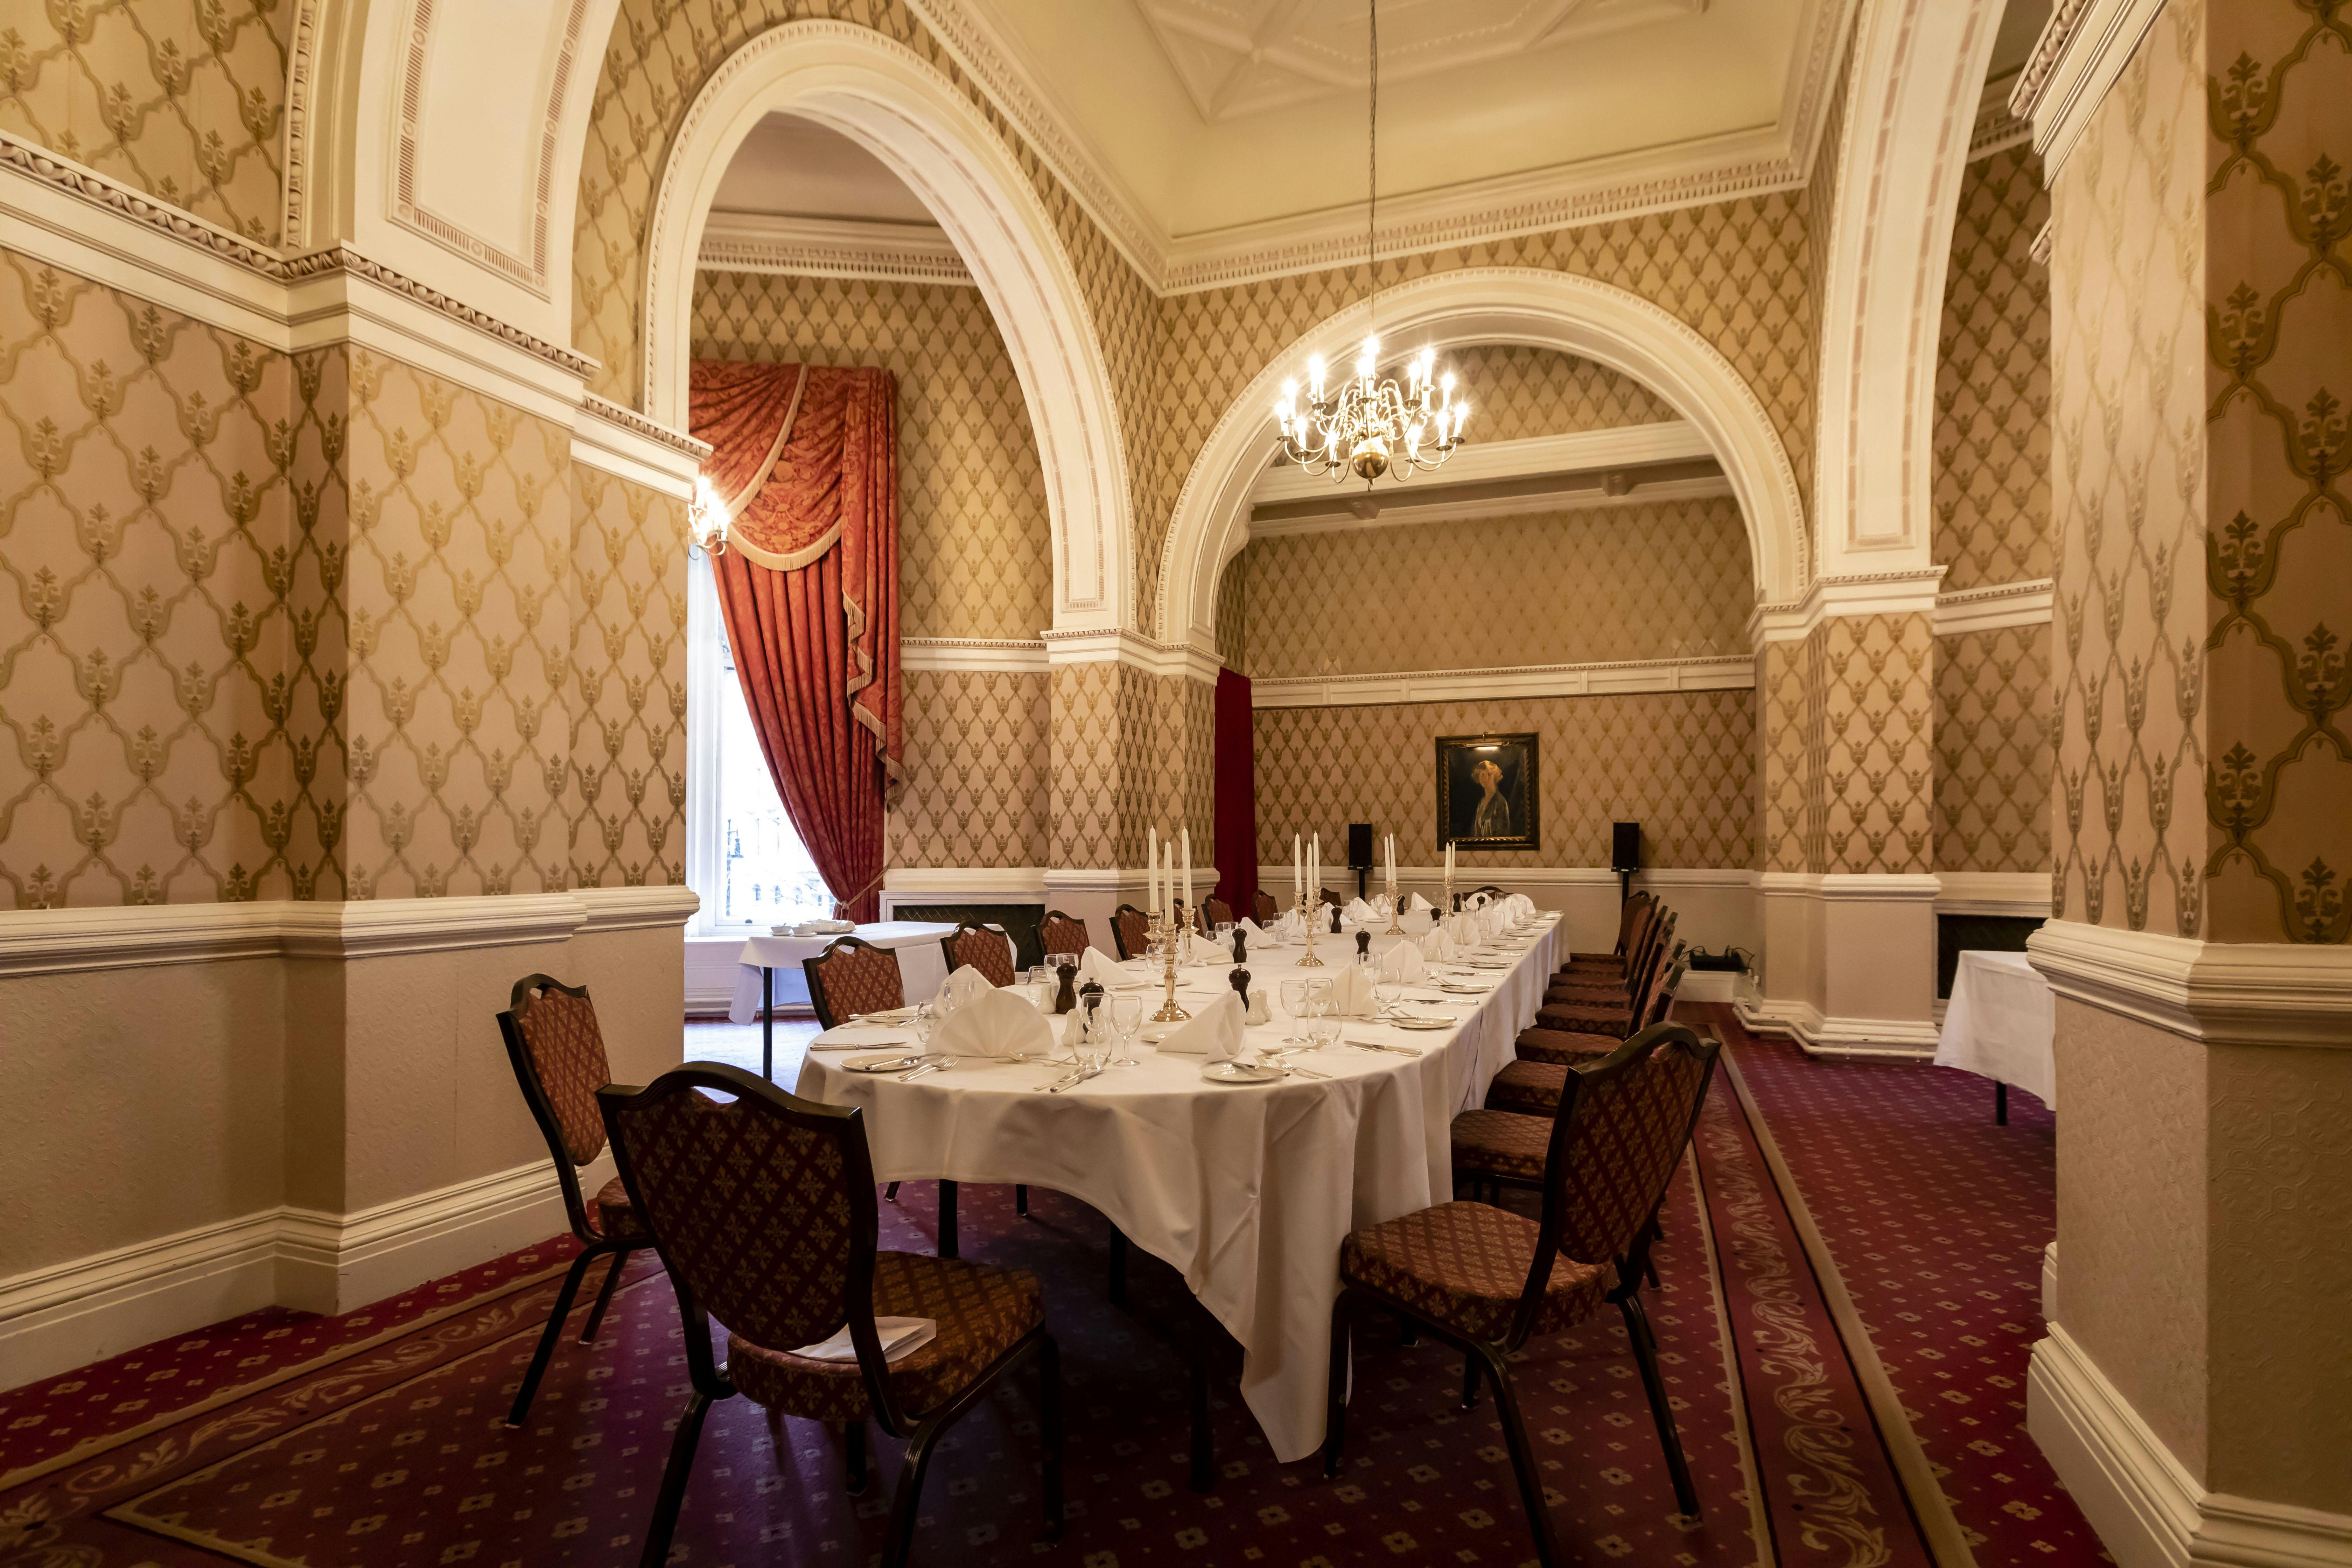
1489,789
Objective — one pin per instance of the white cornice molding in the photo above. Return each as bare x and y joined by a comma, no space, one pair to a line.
830,248
1588,496
1850,594
1997,129
626,444
1122,646
976,654
131,936
1566,196
1846,887
1728,673
1579,451
2015,894
2029,603
2039,251
2082,50
1020,883
2257,993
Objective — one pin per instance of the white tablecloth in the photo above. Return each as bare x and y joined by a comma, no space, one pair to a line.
923,964
1247,1191
2000,1022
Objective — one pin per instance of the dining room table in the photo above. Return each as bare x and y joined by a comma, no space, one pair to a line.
922,967
1245,1189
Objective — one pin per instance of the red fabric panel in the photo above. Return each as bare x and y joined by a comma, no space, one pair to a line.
739,409
1237,768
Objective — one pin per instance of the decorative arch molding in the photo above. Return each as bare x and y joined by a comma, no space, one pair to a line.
1917,79
1481,305
904,111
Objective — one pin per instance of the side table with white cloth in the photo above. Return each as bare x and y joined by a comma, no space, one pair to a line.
1245,1190
922,968
2000,1023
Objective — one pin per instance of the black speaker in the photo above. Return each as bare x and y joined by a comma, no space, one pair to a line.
1360,845
1625,847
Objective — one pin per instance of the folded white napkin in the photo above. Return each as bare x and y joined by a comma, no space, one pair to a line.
899,1337
1286,929
960,987
1256,931
1416,903
1100,967
1352,993
1215,1032
1359,912
993,1024
1439,944
1207,950
1403,963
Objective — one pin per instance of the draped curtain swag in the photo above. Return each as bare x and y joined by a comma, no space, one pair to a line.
806,458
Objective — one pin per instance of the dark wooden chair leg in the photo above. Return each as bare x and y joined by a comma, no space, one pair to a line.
604,1299
673,1483
1049,1428
1021,1200
1335,1406
1117,1266
1999,1104
852,1442
901,1540
1408,1332
1204,1436
1523,1458
1645,1356
948,1248
554,1332
1469,1382
890,1194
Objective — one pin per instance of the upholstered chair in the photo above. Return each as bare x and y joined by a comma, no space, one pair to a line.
850,977
1486,1280
1216,911
1533,1084
1630,916
1588,1015
761,1206
1606,985
1064,933
984,950
558,1054
1263,909
1130,927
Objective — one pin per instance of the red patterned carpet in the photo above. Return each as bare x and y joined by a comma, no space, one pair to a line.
378,1438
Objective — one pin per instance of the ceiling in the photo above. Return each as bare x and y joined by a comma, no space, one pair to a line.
790,167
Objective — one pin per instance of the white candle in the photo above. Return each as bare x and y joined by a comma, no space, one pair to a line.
1151,869
1315,871
1168,880
1189,905
1298,870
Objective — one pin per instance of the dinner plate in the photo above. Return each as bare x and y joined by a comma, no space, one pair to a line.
888,1061
1491,962
1242,1072
1422,1022
1464,990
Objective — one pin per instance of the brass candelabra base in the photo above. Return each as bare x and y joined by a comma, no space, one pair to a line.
1307,924
1169,1011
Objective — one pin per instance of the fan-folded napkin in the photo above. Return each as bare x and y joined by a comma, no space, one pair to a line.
1352,993
1404,964
993,1024
1417,904
1359,912
959,988
1100,967
1214,1033
1438,944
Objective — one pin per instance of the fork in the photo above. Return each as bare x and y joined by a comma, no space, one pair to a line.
926,1066
1394,1050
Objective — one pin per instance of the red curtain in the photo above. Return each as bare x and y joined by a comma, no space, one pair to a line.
808,459
1237,768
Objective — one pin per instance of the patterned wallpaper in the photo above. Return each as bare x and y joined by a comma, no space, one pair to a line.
1232,601
976,766
1992,751
2278,559
1870,710
1784,777
1681,764
1821,209
975,541
1991,474
1519,391
2127,481
1650,580
314,627
184,100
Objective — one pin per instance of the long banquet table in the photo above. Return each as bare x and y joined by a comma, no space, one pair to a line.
1247,1191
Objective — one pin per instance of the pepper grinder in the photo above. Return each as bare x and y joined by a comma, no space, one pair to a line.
1068,998
1363,943
1239,980
1240,947
1335,920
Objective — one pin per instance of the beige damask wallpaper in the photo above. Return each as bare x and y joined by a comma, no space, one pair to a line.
184,100
1127,751
1869,760
1784,777
313,627
1647,579
975,541
1991,475
2128,492
1522,391
2278,557
1992,751
1681,764
976,771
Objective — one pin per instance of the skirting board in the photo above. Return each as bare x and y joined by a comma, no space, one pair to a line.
69,1314
2148,1511
1865,1039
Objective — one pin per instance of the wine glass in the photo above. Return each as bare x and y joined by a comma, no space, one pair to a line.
1127,1022
1294,1003
1388,992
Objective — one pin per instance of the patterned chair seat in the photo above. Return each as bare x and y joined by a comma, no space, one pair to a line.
1606,993
1466,1266
1594,963
981,1313
1562,1048
1585,1018
616,1217
1528,1087
1502,1144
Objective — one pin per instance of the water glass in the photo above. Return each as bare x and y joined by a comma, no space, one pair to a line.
1224,934
1324,1032
1127,1022
1294,1004
1388,993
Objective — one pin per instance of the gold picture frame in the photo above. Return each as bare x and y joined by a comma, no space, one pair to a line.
1486,783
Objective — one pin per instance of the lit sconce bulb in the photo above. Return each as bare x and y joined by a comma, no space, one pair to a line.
1412,438
1315,376
1461,414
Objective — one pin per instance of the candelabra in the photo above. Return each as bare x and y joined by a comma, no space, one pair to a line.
1307,923
1166,930
1396,911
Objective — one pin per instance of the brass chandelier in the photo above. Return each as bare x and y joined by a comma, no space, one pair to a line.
1368,425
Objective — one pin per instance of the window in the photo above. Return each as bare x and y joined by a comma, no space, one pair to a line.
742,855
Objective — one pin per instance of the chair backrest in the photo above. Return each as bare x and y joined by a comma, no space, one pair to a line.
1629,919
558,1054
1656,933
985,949
1659,998
1062,934
1619,1133
1130,927
761,1206
1263,909
853,976
1334,899
1216,911
1492,891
